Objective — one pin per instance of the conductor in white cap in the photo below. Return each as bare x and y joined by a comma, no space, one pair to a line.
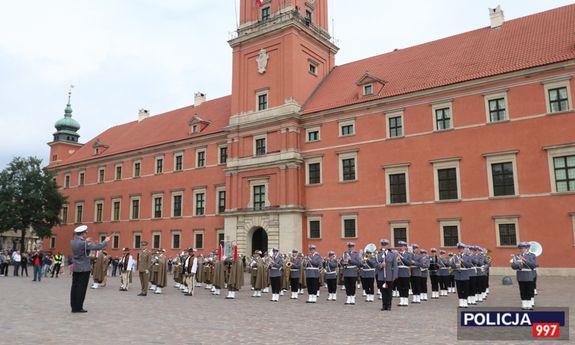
81,246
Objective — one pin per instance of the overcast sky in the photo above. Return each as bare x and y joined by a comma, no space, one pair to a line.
154,54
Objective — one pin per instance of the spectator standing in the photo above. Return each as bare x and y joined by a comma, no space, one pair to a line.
16,260
2,259
5,264
46,263
114,266
37,264
57,264
24,264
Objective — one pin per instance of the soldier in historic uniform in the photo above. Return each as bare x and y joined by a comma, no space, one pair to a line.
257,273
350,261
177,270
330,266
294,272
434,273
443,273
524,263
126,265
209,271
236,277
387,271
312,264
144,263
404,273
162,277
81,247
219,274
424,265
367,267
154,269
461,263
100,269
200,274
274,267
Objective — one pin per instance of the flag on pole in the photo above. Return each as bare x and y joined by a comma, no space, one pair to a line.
260,3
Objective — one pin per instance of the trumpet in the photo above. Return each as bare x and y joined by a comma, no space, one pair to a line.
289,264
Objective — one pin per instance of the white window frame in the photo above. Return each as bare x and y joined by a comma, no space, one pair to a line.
312,129
158,233
82,180
172,234
156,160
553,85
67,180
103,179
388,129
134,168
344,123
314,160
198,150
438,106
557,151
392,170
494,96
67,207
364,88
345,217
114,200
506,220
218,190
153,214
173,194
257,137
318,218
347,155
136,233
76,220
315,66
132,198
260,93
202,232
176,155
220,153
503,157
449,222
398,224
96,203
119,165
259,182
447,164
200,191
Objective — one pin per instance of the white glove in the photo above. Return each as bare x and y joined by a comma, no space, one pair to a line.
147,272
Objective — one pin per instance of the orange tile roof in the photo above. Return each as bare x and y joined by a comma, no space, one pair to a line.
535,40
156,130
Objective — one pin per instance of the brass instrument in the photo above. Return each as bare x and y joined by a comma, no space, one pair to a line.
289,264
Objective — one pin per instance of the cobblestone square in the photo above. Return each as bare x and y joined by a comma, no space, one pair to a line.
39,313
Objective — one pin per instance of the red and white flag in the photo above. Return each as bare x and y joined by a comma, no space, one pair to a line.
260,3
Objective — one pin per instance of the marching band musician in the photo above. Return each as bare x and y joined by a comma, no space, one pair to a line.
434,273
403,274
330,265
144,263
177,270
209,271
415,264
472,272
443,273
461,264
478,260
423,277
190,267
126,266
312,264
350,261
162,267
257,275
451,285
386,268
154,270
487,266
200,272
286,274
294,273
524,263
182,274
275,274
236,278
368,266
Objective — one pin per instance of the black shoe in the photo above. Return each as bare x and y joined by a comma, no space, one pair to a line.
79,311
142,294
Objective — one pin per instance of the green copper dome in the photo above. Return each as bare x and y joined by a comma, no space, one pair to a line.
67,122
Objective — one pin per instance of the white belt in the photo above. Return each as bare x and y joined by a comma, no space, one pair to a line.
255,268
403,266
526,270
368,269
330,272
463,269
312,268
350,267
296,270
275,268
444,268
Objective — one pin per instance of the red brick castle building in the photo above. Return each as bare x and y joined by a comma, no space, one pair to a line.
468,138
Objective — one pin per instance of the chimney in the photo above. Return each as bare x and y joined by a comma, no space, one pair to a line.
199,98
143,114
496,17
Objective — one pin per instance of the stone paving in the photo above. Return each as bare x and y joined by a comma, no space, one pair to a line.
39,313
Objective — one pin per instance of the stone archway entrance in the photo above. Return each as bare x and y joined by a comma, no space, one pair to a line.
259,239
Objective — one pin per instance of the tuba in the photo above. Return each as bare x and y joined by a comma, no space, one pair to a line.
536,248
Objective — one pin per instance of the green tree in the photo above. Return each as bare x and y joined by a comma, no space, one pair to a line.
29,198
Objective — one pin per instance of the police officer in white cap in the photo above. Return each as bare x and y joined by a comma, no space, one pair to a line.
81,247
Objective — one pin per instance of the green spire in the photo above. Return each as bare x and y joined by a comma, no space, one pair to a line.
68,110
67,127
